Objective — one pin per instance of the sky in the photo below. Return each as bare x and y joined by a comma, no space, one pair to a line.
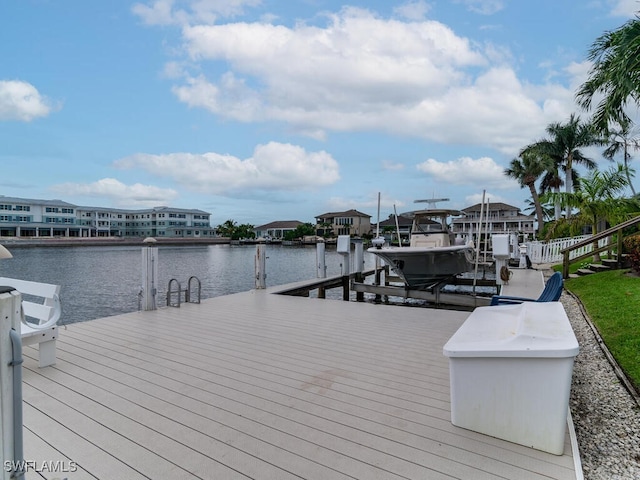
266,110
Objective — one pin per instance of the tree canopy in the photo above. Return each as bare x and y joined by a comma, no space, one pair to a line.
615,75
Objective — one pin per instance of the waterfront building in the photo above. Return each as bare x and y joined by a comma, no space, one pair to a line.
25,217
390,228
352,222
276,230
501,218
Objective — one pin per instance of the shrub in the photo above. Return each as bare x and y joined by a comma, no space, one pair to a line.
632,247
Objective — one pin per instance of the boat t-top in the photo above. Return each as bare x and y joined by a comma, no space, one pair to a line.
434,253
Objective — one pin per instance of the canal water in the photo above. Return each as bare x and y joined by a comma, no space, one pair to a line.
103,281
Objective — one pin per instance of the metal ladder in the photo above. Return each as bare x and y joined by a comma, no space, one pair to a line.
175,292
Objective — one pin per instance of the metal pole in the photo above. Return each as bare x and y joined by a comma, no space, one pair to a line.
397,226
377,259
475,273
486,229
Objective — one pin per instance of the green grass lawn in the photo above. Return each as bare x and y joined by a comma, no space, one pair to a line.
612,300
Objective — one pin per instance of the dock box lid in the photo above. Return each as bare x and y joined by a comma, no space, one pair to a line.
529,329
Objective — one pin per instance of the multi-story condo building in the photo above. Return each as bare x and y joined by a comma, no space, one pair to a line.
24,217
351,222
501,218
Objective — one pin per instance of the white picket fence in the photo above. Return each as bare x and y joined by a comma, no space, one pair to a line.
549,252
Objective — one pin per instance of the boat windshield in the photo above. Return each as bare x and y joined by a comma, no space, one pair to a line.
429,225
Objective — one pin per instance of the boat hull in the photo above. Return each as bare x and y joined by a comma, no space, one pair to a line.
424,267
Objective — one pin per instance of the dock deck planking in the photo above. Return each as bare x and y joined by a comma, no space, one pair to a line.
258,385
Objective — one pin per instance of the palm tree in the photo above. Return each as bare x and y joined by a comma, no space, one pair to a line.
615,75
228,228
598,198
552,181
527,170
547,208
564,146
622,140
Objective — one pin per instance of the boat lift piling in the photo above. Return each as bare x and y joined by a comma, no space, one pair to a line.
149,290
11,442
359,264
321,260
261,267
344,249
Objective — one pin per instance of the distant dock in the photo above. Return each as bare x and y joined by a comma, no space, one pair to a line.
264,386
22,242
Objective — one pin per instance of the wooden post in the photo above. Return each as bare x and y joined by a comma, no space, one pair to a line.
345,288
260,265
321,260
359,265
619,246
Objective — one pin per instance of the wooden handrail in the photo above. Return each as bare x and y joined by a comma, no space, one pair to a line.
593,239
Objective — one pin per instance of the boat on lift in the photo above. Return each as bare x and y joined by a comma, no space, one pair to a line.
434,253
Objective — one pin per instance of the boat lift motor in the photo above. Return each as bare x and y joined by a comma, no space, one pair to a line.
344,248
501,254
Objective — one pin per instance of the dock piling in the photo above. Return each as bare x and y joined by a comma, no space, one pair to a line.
149,274
11,383
260,266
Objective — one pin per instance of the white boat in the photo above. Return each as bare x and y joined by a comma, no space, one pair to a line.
434,253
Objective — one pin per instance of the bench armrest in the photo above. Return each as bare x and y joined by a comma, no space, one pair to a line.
504,299
53,319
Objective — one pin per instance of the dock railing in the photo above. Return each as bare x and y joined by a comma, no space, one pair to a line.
594,240
551,251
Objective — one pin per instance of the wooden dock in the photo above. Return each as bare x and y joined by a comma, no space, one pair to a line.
264,386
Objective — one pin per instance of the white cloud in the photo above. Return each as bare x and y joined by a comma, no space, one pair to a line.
389,165
483,172
476,198
120,194
416,10
274,166
168,12
415,78
22,101
625,8
483,7
367,204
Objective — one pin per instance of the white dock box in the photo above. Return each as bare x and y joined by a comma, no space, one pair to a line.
510,373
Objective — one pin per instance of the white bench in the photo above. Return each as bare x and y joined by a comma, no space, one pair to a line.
42,316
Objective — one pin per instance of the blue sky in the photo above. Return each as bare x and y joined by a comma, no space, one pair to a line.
263,110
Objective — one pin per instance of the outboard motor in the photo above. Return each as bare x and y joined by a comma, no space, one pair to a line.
378,242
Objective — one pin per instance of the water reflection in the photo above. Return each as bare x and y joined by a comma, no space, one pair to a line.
103,281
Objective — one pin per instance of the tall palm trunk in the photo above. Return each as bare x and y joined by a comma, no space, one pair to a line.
538,207
626,170
568,181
